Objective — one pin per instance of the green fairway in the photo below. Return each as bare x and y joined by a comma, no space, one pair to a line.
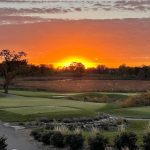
13,106
76,96
21,101
39,94
28,105
39,109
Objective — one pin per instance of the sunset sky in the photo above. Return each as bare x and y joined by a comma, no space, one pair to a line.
91,40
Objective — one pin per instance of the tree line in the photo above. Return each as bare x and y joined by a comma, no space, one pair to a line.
78,70
15,64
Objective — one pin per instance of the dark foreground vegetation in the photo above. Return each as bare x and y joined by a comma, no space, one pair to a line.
96,141
3,144
92,133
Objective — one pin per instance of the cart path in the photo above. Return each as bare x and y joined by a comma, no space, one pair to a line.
138,119
16,140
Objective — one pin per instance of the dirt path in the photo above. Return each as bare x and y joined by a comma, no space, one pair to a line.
16,140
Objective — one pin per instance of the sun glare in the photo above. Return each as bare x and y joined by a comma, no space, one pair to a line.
67,61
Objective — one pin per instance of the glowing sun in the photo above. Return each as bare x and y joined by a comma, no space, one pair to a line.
67,61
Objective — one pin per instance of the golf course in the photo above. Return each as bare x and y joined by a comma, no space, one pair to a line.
75,75
23,105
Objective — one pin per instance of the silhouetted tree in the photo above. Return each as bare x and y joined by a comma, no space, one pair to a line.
46,70
101,69
11,65
77,68
141,75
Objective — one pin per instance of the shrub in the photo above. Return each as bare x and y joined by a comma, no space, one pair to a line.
3,145
104,99
57,139
46,137
44,119
67,120
37,134
98,142
74,141
21,123
126,140
63,129
146,142
138,100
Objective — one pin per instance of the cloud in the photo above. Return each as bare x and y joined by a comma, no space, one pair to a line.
94,9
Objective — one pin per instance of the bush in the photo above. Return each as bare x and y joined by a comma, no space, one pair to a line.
57,139
46,137
98,142
126,140
146,142
138,100
3,145
74,141
44,119
37,134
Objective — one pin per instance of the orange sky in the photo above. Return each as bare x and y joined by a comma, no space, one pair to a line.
112,42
